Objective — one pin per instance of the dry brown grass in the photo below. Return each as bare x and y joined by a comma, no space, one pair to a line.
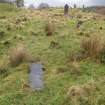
89,87
3,66
86,94
75,92
17,55
74,57
76,69
92,46
49,28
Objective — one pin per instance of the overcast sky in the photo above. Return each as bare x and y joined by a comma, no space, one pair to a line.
62,2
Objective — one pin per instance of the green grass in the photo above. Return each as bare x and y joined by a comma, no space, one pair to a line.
12,91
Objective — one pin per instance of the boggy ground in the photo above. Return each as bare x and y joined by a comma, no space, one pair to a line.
66,82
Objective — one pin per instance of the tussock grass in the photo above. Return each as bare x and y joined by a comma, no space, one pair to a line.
49,28
75,91
17,55
94,47
84,93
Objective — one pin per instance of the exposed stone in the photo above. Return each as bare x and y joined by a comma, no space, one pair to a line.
36,76
66,9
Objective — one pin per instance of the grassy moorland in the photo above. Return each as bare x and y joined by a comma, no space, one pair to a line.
73,58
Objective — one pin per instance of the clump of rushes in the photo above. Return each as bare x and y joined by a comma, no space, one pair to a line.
92,46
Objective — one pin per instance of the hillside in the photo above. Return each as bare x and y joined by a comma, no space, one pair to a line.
70,78
97,9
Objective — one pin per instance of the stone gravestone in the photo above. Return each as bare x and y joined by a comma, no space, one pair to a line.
75,6
36,76
83,8
66,10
